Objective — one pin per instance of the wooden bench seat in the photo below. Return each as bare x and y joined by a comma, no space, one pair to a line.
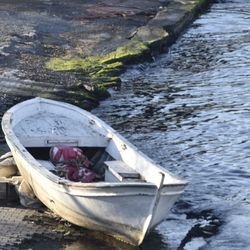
120,171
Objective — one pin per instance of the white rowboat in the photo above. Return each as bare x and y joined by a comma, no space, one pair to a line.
135,195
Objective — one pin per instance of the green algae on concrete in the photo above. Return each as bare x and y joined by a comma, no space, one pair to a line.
67,64
93,64
112,69
103,70
131,50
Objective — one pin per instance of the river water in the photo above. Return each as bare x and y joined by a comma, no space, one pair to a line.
190,112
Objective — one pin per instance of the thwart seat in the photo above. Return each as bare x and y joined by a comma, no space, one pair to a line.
120,171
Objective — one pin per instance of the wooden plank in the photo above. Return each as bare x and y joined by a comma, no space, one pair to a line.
121,170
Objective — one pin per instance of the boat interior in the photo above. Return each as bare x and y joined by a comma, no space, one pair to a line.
103,164
39,124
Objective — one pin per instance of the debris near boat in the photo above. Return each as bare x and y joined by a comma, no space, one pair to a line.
8,166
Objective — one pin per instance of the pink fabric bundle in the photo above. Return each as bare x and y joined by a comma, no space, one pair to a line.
72,163
65,154
77,174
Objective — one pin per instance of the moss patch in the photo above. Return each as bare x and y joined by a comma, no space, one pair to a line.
88,64
96,63
131,50
103,70
112,69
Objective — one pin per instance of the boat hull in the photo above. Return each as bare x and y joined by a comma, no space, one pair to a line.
117,211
